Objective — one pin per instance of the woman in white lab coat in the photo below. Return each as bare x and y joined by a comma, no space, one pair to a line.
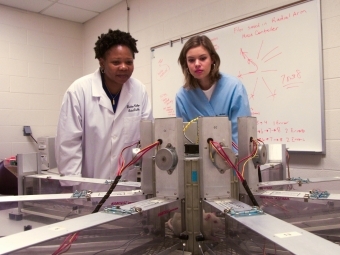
101,113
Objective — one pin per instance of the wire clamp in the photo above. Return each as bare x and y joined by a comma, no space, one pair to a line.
108,182
299,180
306,197
136,209
255,210
318,194
117,210
82,194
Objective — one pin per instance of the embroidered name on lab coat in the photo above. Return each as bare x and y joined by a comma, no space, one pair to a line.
133,108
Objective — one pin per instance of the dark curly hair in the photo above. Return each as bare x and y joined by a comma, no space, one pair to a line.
113,38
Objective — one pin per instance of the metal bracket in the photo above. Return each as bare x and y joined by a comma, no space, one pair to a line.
82,194
120,211
255,210
299,180
109,182
306,197
318,194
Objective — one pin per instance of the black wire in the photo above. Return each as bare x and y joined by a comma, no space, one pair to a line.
70,213
33,138
259,173
102,201
108,193
250,194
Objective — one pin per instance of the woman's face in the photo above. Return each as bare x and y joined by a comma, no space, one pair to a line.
118,65
199,64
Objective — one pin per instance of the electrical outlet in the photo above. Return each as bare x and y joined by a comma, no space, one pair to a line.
27,131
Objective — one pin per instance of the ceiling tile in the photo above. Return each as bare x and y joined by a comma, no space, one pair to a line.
91,5
31,5
69,13
73,10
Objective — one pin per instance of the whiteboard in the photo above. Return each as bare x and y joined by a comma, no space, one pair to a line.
278,58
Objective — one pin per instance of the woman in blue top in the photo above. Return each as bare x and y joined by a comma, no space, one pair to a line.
206,91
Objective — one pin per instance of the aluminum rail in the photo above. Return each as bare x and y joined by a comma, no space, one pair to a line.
286,195
67,196
292,182
52,176
288,236
25,239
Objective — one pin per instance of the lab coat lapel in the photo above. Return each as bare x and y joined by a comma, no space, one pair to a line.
124,98
98,91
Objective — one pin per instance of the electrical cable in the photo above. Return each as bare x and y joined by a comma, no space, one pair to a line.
108,193
250,194
252,155
200,248
66,244
259,173
138,156
186,127
70,213
121,161
183,245
287,161
234,145
185,136
33,138
222,153
264,247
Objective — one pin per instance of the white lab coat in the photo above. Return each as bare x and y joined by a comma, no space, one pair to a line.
90,136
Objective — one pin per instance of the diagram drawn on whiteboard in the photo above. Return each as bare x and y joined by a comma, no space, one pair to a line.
260,66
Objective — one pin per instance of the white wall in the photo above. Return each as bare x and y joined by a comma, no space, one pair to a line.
154,22
39,58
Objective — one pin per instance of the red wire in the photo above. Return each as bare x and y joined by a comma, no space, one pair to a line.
222,153
73,237
121,161
138,156
70,239
62,246
235,145
251,155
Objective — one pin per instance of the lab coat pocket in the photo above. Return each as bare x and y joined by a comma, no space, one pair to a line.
131,132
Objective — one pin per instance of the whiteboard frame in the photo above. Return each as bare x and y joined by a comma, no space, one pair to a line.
320,48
